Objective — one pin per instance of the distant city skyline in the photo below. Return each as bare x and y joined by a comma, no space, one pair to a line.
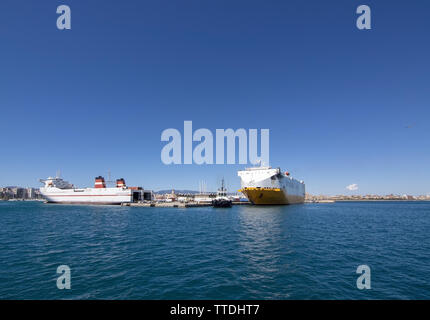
347,109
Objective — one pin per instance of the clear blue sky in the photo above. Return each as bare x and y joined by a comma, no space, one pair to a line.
343,106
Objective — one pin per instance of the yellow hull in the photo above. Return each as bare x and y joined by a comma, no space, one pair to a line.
267,196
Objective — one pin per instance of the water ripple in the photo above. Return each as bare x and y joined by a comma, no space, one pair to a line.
306,251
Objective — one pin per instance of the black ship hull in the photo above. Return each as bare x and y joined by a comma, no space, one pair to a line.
221,203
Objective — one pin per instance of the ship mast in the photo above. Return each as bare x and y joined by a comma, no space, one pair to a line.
109,180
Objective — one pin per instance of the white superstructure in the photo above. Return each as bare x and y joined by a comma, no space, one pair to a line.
265,185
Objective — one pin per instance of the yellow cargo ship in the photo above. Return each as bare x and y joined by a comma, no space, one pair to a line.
266,186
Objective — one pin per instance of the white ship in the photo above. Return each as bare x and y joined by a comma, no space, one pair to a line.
265,185
57,190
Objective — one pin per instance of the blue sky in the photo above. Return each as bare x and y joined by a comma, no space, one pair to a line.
343,106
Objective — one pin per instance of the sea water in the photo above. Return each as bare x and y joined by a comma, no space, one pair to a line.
308,251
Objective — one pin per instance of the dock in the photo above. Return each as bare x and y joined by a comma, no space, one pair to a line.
176,204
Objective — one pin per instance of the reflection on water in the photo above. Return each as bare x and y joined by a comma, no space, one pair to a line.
262,236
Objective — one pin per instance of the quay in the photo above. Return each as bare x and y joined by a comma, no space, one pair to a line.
176,204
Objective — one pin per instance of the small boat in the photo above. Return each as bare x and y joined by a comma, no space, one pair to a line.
221,200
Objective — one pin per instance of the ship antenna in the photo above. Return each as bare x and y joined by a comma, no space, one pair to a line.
58,174
109,178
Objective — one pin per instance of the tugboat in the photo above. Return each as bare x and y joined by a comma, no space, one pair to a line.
221,200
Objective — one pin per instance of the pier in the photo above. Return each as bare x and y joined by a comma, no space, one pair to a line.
176,204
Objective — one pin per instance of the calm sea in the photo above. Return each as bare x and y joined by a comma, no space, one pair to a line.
308,251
